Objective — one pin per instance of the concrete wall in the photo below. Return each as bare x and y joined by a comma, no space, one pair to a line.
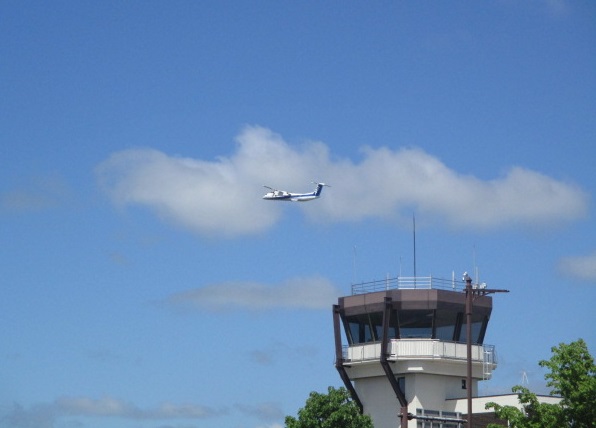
379,401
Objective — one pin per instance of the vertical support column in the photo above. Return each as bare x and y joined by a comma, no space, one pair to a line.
469,297
339,358
385,364
470,294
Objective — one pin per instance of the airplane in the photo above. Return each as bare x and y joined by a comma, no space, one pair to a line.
282,195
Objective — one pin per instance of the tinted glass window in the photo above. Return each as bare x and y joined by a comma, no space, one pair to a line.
401,381
376,319
477,323
415,324
359,329
445,324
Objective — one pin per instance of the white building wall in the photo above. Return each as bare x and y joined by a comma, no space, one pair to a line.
429,392
423,391
430,384
479,403
379,401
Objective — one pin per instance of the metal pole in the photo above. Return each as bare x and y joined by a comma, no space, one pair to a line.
469,293
404,417
414,231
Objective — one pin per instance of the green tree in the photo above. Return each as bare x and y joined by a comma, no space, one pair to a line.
572,376
533,415
336,409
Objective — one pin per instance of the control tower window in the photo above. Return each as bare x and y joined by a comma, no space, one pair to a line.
415,324
478,324
376,319
359,329
364,328
445,322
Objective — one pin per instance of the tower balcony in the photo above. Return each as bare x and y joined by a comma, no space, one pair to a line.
423,350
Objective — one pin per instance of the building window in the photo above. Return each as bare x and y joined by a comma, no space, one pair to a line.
438,419
479,322
450,415
463,384
415,324
359,329
445,322
424,423
376,319
401,381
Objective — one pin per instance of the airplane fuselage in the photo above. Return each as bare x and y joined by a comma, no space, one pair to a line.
282,195
291,197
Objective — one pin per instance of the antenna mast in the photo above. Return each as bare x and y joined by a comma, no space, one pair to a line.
354,267
475,265
414,231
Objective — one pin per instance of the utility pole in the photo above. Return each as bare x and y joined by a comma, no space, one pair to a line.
471,293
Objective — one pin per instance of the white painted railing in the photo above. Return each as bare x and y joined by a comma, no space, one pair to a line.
407,283
420,349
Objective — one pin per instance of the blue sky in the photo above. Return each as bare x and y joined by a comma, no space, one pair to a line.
145,281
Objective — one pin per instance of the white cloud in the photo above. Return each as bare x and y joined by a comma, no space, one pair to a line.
108,406
277,351
46,415
36,194
267,412
296,293
582,268
38,416
223,197
387,180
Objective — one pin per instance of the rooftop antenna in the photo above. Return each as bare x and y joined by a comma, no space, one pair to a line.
414,230
475,266
354,267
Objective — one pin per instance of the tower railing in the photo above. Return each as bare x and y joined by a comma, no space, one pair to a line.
423,349
407,283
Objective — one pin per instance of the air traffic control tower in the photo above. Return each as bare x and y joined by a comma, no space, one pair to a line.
406,351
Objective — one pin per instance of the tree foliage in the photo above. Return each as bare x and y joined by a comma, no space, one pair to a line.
332,410
572,376
533,415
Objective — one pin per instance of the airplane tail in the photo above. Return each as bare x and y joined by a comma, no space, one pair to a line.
319,189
